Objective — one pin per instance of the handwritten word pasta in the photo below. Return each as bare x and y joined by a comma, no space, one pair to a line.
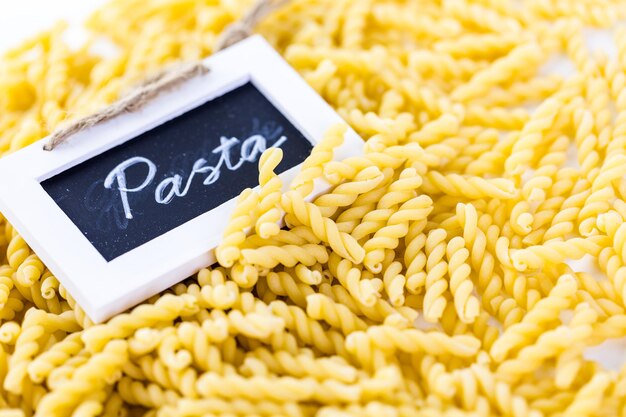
435,277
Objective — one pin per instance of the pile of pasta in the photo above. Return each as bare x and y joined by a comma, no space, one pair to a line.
464,265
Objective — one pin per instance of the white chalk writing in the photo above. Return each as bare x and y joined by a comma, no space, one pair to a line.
175,185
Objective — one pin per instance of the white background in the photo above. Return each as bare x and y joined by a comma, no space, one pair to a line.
20,19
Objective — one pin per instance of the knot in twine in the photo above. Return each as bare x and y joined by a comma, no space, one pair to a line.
168,78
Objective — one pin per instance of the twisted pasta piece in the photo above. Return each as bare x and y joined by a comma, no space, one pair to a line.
415,257
153,369
323,227
245,276
393,129
354,27
589,397
91,406
611,258
206,352
562,222
9,332
146,340
297,235
394,282
556,251
345,194
546,310
491,161
467,186
388,237
215,292
63,373
256,325
243,217
35,327
49,285
321,77
337,171
400,191
568,366
391,104
29,271
391,338
489,18
444,126
434,300
165,309
486,45
59,353
586,142
284,284
283,389
350,219
534,89
6,284
612,169
287,255
600,294
521,288
14,307
17,251
377,311
466,305
102,368
481,257
269,196
549,344
364,291
320,155
596,204
524,149
321,307
500,394
425,61
308,276
435,376
79,313
503,69
149,395
536,188
305,364
392,16
171,352
497,117
308,330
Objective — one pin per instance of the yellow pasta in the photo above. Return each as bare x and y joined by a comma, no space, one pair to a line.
436,276
435,282
269,214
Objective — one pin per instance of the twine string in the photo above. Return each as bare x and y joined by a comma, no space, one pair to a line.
168,78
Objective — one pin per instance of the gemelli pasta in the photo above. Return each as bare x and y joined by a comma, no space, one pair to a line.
437,276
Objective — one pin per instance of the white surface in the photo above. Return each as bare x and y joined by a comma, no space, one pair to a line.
21,19
106,288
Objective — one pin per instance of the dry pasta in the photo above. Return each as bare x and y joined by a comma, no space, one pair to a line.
434,278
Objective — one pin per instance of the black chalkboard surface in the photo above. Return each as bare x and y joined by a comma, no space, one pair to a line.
175,172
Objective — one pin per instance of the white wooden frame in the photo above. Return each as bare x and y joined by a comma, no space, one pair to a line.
104,288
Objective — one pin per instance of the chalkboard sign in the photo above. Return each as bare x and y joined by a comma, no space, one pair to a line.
133,205
174,172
